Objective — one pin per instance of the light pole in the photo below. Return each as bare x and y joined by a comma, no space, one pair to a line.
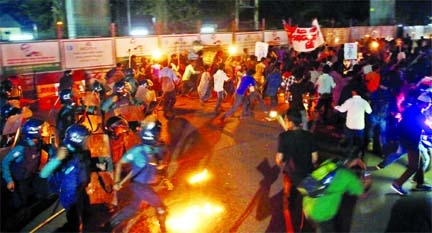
59,27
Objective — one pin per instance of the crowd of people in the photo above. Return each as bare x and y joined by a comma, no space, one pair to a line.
381,98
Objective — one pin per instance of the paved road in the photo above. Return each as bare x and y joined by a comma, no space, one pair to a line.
243,193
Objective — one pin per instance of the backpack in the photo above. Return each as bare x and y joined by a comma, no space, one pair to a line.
315,184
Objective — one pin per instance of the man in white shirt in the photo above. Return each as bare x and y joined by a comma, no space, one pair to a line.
355,107
187,84
324,86
168,80
219,78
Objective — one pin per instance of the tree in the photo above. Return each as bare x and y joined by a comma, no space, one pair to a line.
32,13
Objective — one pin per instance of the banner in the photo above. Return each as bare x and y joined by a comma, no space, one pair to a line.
216,39
305,39
179,43
24,58
247,40
275,37
126,47
87,53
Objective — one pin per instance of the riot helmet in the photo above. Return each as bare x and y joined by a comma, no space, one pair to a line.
97,87
150,132
66,96
75,137
129,72
116,125
120,87
32,129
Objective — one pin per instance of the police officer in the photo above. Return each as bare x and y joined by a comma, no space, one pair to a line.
20,167
120,98
144,159
69,174
67,114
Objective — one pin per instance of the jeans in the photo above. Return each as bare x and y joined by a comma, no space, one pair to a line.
381,123
219,100
239,100
325,101
255,96
355,141
304,119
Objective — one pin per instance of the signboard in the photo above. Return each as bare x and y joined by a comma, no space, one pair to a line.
30,57
248,40
216,39
178,43
276,37
336,36
350,51
87,53
126,47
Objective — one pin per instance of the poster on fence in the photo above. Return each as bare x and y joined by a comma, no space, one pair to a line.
87,53
178,43
247,40
276,37
336,36
30,57
216,39
126,47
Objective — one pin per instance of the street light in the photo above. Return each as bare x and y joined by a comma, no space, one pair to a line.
59,26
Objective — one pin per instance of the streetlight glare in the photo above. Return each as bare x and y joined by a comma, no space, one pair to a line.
232,50
21,37
157,54
139,32
207,29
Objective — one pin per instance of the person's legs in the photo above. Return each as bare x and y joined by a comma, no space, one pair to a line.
273,99
169,99
304,120
327,108
293,222
327,226
237,102
359,141
413,166
247,106
349,137
392,157
372,123
218,100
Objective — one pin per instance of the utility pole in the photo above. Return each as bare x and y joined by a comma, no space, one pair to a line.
128,15
246,4
256,14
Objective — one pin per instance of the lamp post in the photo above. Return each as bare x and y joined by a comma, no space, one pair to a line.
59,27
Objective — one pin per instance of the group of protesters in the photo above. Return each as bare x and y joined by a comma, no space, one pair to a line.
363,98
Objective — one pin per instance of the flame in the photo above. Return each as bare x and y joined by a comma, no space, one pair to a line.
199,177
193,218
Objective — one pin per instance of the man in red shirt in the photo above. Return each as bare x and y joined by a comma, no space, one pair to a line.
373,79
